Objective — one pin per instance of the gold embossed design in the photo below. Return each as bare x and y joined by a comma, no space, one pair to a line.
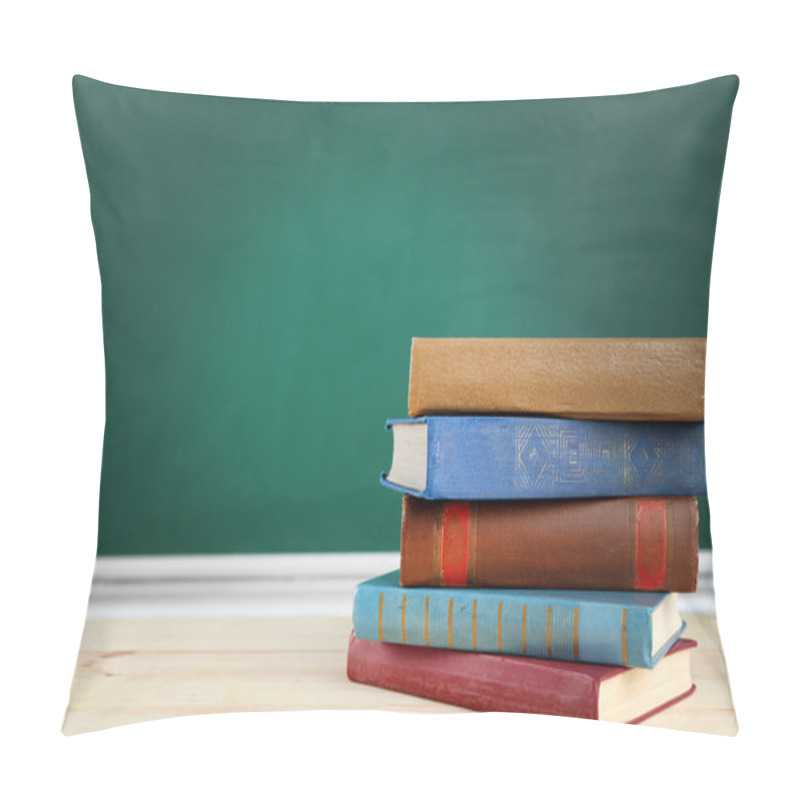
522,478
538,451
626,473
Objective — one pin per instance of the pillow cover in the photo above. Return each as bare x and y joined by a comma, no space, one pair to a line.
264,267
265,264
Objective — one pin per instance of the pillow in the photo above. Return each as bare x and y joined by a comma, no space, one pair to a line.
264,267
265,264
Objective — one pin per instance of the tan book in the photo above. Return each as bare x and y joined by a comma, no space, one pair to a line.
625,379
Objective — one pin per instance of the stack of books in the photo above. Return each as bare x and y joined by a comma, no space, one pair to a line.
549,518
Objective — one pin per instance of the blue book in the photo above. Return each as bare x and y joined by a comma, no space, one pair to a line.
508,458
628,629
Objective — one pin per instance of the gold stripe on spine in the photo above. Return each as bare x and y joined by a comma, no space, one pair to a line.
403,618
625,637
436,566
575,649
525,628
475,624
450,623
549,630
500,627
427,609
380,617
472,545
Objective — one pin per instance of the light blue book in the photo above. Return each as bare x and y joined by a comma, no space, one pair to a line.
507,458
629,629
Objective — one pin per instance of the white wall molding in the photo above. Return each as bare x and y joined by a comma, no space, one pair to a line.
262,585
232,585
259,566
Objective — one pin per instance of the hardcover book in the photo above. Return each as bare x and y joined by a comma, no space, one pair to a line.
524,685
628,629
634,379
623,544
499,458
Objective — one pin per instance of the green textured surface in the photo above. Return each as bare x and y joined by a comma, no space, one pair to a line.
265,264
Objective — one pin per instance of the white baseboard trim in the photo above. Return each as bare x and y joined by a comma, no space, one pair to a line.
232,585
260,585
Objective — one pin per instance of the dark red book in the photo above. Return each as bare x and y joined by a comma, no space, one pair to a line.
486,682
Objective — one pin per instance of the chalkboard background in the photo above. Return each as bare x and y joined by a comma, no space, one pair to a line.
265,265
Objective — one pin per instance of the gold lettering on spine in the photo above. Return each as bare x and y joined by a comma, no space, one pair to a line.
625,637
475,624
575,650
450,623
427,608
403,619
500,627
380,617
525,628
549,630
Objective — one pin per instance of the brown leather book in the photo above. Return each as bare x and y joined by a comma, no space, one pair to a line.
608,544
635,379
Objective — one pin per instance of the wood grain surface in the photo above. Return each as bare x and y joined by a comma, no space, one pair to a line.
134,670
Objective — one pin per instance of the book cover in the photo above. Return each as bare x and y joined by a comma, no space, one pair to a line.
629,629
497,458
524,685
634,379
621,543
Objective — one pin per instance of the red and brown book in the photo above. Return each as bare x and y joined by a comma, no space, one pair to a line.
625,379
607,544
485,682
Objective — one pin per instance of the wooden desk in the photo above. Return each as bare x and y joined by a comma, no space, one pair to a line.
133,670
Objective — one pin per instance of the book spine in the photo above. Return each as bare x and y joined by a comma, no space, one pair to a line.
498,458
479,620
486,682
657,379
477,681
612,544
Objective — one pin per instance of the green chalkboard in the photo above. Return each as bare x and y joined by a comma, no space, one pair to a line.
265,264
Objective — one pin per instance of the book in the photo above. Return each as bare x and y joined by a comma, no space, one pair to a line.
515,458
628,629
524,685
633,379
620,543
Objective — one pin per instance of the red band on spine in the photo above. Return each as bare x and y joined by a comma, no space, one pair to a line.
455,544
651,544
